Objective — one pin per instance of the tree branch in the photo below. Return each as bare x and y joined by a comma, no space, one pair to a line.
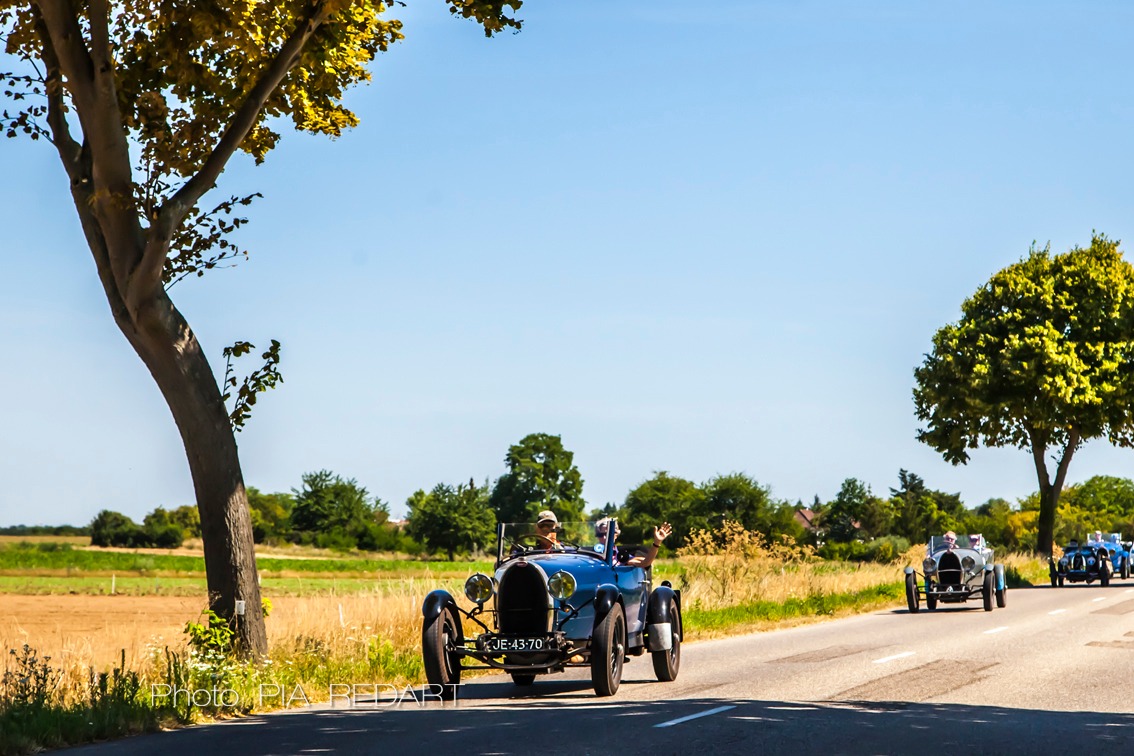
1038,450
175,209
69,150
1073,439
91,84
67,40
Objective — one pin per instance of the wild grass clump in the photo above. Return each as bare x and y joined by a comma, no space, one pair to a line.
43,707
735,567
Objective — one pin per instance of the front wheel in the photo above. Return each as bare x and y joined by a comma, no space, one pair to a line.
930,598
912,599
1125,568
608,652
989,590
440,638
668,662
1104,573
1060,581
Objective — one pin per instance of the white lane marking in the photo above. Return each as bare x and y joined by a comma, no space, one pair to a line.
885,659
995,630
708,713
792,708
1058,611
1129,590
1100,598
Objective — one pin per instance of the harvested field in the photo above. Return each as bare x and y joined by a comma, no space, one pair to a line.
95,629
78,631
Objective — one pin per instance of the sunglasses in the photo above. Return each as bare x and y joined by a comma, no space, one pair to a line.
545,525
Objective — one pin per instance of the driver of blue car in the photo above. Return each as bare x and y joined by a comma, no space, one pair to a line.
546,534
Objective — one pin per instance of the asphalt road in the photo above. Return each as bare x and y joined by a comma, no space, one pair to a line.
1053,670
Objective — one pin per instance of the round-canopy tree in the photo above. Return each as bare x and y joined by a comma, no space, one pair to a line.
145,103
1042,359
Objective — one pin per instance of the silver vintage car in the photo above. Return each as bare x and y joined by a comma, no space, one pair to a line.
954,571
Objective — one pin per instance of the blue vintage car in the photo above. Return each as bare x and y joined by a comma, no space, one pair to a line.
553,603
1082,563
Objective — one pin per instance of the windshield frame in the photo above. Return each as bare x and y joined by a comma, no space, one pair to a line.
507,534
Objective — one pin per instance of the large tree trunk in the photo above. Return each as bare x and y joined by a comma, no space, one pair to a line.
166,344
1046,535
1049,491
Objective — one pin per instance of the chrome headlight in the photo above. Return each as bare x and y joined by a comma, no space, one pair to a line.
968,563
1063,562
561,585
1090,560
929,566
478,588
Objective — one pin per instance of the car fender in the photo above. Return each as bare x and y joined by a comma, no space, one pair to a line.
660,618
436,602
909,570
606,596
1001,582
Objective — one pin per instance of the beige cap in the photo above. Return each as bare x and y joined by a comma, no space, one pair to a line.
545,515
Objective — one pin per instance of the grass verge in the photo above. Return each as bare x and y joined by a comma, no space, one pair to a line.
701,623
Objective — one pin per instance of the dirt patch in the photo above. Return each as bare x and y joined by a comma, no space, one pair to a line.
95,629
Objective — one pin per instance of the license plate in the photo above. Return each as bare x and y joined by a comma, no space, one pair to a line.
517,644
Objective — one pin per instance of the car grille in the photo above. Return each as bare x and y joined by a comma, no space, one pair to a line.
1078,563
522,601
949,569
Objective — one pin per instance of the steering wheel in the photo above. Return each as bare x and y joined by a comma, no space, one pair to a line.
534,542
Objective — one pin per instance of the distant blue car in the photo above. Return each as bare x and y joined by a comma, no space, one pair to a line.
1083,563
553,603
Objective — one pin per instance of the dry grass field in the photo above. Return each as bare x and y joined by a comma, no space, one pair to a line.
77,541
82,631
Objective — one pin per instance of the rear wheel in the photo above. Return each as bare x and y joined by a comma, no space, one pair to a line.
1001,586
668,662
523,680
912,598
989,591
608,652
1125,568
439,640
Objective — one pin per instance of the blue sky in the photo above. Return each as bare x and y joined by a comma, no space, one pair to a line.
700,238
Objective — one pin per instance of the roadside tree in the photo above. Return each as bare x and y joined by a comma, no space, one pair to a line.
541,475
739,498
1042,359
334,512
666,498
449,519
145,104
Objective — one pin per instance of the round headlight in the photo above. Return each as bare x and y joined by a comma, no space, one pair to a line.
968,563
1063,562
561,585
1090,560
929,566
478,588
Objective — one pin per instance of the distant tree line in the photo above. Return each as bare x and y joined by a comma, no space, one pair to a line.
42,530
330,511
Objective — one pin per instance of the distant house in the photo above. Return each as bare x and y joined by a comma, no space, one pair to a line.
806,518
